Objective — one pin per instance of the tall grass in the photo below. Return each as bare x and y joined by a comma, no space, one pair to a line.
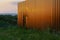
17,33
10,31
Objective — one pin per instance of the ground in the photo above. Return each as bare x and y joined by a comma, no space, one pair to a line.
17,33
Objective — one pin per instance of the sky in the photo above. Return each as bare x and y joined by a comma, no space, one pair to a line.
9,6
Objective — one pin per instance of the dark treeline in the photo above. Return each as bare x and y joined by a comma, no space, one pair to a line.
6,20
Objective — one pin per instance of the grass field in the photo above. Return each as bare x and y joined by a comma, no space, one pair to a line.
17,33
10,31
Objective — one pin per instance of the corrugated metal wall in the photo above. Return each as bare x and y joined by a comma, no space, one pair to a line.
56,15
39,14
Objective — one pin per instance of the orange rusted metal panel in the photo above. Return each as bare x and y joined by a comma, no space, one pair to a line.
39,14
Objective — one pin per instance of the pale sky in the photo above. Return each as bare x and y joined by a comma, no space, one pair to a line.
9,6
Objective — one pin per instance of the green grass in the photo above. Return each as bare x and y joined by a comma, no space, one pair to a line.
17,33
10,31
